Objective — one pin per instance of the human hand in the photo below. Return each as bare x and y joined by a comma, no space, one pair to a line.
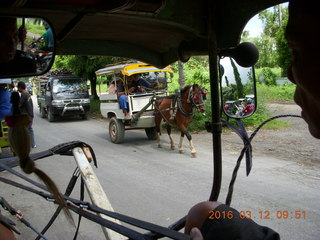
195,234
142,89
8,223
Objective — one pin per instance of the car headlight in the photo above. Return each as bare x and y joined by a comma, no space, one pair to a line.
57,102
85,100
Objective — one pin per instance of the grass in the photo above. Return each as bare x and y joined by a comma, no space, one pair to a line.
35,29
283,93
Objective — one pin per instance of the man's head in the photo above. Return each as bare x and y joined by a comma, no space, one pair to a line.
21,86
9,38
303,35
136,76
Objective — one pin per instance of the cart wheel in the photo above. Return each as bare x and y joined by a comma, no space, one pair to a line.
42,112
116,130
51,116
151,133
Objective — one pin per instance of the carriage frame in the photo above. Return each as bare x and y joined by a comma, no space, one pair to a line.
141,105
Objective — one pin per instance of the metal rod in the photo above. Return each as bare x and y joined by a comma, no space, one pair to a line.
137,115
215,104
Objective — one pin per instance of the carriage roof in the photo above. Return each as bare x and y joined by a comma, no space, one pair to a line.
129,69
159,32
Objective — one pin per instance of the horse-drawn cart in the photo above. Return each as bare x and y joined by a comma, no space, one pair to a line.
140,103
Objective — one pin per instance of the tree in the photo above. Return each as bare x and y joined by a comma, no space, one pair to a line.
85,67
283,50
272,20
182,80
245,36
239,85
272,46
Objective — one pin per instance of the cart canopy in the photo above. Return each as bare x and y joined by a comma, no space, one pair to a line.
131,68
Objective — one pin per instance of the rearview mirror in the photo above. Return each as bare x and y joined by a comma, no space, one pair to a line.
27,46
238,89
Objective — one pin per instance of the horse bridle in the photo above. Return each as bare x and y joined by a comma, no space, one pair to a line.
191,99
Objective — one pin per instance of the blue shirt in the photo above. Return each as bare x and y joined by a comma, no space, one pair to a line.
5,104
48,37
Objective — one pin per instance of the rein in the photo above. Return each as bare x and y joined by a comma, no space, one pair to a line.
87,210
247,148
182,110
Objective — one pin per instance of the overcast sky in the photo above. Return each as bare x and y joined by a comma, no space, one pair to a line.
255,26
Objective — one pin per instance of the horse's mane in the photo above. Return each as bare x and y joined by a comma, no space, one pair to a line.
183,90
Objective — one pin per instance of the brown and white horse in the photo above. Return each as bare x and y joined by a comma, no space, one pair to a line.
178,110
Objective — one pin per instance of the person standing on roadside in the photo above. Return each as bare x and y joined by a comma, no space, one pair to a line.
5,96
26,107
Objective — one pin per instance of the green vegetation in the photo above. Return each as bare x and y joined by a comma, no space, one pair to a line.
33,25
95,106
273,62
35,28
283,93
85,67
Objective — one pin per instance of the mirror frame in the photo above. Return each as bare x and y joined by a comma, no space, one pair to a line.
53,53
221,73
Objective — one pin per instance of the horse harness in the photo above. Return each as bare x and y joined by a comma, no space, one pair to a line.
176,104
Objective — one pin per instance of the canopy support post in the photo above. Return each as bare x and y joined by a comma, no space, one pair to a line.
215,103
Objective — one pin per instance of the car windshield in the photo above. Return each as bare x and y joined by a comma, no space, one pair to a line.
69,85
28,86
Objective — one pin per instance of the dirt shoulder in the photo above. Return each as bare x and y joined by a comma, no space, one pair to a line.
293,143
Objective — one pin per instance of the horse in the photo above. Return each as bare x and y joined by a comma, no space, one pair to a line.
178,110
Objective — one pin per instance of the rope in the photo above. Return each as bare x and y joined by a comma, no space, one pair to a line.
244,149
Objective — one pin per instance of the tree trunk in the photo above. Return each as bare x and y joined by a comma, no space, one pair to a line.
93,83
280,15
182,80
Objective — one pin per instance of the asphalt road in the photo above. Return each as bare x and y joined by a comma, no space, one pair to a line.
160,185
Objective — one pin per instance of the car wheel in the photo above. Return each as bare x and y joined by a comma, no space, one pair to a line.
42,112
51,116
116,130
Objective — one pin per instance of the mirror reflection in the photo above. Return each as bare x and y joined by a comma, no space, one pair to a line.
238,89
26,45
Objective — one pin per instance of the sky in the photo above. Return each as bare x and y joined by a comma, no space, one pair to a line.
255,26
